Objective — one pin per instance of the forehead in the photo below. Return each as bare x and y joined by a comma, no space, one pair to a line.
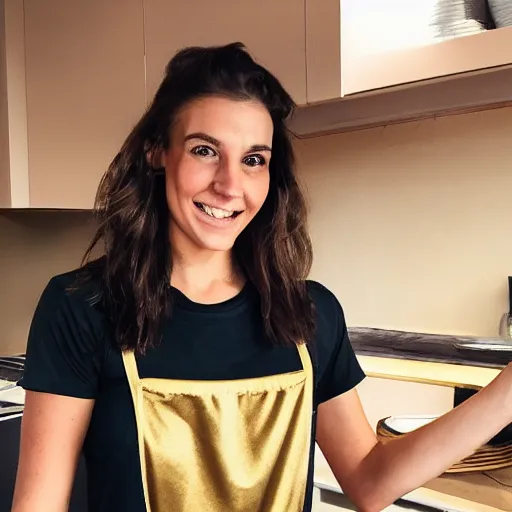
232,122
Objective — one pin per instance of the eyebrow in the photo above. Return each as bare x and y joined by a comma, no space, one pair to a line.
212,140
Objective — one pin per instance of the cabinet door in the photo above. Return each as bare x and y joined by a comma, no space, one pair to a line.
273,31
357,46
85,90
386,44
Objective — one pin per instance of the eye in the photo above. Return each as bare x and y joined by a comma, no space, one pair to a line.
254,160
203,151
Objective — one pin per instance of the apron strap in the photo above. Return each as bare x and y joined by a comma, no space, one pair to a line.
130,367
305,359
308,359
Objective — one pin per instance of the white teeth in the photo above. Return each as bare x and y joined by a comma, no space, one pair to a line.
216,212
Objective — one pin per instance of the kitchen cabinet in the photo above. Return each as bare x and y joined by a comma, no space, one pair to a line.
76,76
482,51
467,93
361,73
73,79
353,49
274,32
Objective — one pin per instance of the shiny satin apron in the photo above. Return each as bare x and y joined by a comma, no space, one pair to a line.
224,446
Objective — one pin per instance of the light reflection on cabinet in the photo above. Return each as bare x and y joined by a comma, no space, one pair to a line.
76,76
351,51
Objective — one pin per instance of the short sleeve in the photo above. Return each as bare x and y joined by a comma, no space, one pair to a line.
338,368
63,350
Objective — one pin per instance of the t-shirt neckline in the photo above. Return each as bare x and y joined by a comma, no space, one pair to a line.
243,297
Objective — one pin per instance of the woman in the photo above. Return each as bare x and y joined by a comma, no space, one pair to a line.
193,362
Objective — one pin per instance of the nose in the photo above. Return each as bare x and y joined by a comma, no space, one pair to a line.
228,179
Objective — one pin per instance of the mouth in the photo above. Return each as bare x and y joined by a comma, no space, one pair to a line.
217,213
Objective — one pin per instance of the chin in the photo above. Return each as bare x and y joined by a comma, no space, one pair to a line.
215,243
215,238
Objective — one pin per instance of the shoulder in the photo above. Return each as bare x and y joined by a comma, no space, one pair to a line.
67,339
330,328
327,306
338,369
321,296
71,295
74,284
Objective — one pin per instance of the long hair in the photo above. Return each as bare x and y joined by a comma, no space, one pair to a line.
274,250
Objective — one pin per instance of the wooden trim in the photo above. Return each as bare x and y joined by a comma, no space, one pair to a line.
458,95
440,374
16,103
323,50
488,49
5,174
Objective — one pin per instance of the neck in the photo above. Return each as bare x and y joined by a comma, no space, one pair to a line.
205,276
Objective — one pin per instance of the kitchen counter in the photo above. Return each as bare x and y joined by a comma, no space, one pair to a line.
437,494
427,372
455,492
441,348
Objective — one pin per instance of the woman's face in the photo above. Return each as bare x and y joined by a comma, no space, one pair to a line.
217,171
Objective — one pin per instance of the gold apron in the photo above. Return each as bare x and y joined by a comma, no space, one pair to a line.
224,446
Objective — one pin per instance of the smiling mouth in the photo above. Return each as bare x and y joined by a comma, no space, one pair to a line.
217,213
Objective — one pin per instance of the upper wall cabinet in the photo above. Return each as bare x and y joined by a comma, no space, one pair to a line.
273,31
73,80
75,76
356,46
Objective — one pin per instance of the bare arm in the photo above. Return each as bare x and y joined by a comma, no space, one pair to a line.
388,471
346,438
52,432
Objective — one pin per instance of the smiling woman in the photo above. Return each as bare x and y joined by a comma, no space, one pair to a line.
181,355
216,127
217,178
190,360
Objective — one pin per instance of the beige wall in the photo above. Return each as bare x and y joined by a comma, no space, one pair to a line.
412,224
33,247
412,229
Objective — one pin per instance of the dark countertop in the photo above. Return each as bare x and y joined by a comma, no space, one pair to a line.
430,347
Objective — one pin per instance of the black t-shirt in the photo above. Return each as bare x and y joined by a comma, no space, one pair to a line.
70,352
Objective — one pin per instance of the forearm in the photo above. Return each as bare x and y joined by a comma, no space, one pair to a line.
391,470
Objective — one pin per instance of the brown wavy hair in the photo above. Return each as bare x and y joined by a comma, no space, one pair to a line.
274,251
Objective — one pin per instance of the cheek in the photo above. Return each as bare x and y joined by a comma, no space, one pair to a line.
259,192
184,182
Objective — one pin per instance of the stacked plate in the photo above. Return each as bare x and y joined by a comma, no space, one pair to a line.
486,458
456,18
12,397
501,11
